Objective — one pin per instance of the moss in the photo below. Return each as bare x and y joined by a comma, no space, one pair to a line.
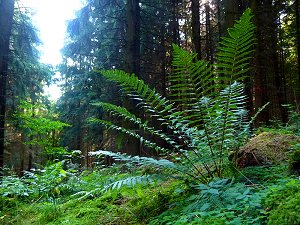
125,206
266,148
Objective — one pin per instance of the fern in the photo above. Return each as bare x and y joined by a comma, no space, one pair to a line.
146,161
129,182
234,51
205,110
115,185
161,163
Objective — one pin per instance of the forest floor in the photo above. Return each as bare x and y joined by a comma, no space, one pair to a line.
58,194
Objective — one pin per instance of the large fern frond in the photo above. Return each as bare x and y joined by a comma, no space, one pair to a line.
139,160
150,100
122,112
235,50
190,79
111,126
154,104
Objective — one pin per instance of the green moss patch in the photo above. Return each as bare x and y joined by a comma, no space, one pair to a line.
266,148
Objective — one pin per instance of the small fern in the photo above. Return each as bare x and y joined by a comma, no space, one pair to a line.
129,182
205,113
145,161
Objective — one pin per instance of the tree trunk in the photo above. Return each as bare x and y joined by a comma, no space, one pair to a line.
218,7
267,79
231,13
174,23
196,38
6,19
298,43
132,47
132,65
208,38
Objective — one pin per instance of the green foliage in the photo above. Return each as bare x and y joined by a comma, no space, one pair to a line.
206,111
219,202
294,159
41,131
12,186
28,74
294,119
262,175
51,198
44,185
54,196
283,202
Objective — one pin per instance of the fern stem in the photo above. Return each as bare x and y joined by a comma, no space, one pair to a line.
219,172
196,168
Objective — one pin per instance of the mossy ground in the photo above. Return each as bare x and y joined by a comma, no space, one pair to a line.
126,206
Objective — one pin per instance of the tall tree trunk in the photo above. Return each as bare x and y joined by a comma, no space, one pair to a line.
267,80
174,23
163,64
6,19
298,42
132,65
132,37
196,38
208,38
218,7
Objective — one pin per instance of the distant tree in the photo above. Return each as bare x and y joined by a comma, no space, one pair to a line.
133,35
41,132
95,39
6,20
297,18
26,78
290,48
195,7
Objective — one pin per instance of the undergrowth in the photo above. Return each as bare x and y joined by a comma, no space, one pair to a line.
58,194
257,195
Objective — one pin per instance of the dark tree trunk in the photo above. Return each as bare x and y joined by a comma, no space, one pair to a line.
132,37
268,82
163,63
132,65
298,42
218,7
174,23
208,38
231,13
196,38
6,19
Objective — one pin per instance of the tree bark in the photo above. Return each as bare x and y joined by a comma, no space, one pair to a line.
196,38
298,42
209,42
174,23
6,20
132,37
231,13
218,7
268,81
132,65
